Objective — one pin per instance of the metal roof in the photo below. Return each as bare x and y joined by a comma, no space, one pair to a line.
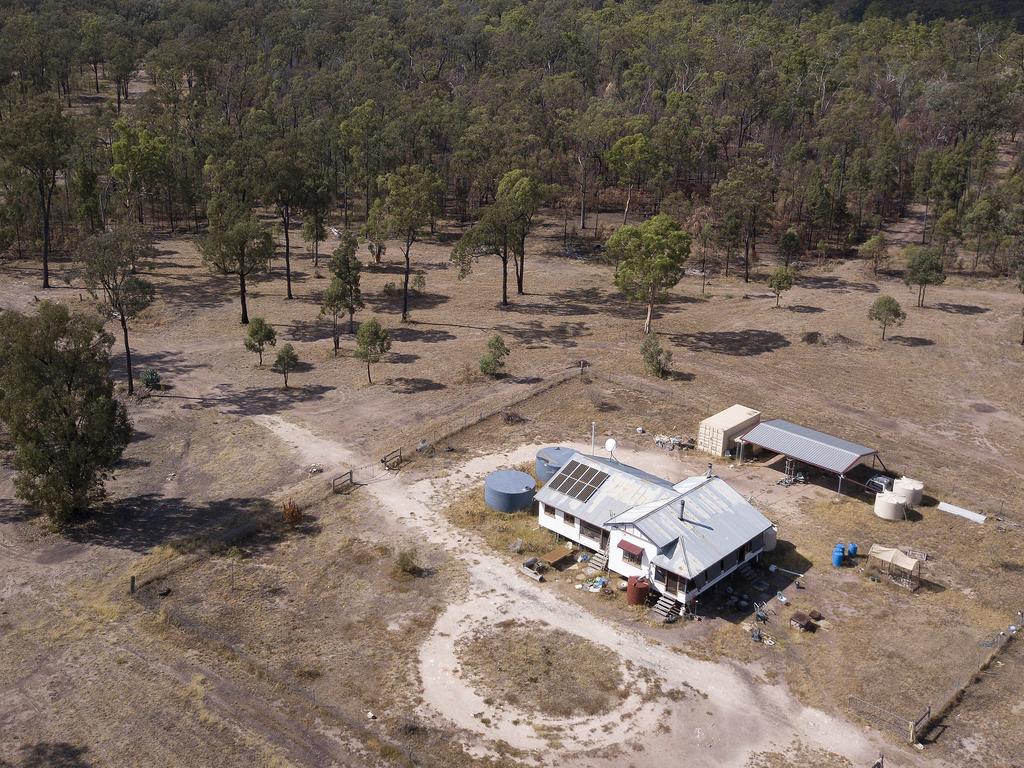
699,526
807,445
625,488
732,416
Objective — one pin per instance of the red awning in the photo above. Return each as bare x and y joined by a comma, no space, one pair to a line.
633,549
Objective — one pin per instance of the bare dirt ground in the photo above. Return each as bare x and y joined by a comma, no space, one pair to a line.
272,645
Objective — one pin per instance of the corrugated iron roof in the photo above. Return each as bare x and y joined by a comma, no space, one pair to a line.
807,445
698,527
731,417
625,488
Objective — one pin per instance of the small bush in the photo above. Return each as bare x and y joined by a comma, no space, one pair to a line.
406,564
150,379
418,282
657,361
493,361
291,514
389,289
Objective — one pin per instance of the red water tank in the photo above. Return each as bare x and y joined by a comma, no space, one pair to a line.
636,590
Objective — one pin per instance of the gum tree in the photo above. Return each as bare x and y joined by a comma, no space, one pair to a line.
651,259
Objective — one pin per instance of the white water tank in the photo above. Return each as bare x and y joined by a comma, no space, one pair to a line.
771,539
889,506
909,490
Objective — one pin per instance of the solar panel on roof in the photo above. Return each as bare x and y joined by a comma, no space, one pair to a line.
578,481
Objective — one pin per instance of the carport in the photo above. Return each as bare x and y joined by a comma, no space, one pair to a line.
809,446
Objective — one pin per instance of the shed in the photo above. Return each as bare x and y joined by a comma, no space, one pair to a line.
817,449
717,433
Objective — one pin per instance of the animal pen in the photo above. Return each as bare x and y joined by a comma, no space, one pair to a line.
900,567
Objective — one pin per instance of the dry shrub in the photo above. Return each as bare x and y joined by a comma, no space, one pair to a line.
500,529
406,565
290,513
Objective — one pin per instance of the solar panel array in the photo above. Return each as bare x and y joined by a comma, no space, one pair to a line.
579,481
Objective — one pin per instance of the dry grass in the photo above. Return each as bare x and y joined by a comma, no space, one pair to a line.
798,755
532,667
515,532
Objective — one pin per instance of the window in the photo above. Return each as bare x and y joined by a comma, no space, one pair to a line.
659,574
629,557
547,510
569,519
590,531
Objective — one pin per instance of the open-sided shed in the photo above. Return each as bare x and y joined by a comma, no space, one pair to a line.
809,446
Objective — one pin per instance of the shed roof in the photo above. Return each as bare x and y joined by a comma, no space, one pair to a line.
734,415
808,445
702,523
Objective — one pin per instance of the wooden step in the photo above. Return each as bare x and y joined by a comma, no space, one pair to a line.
598,561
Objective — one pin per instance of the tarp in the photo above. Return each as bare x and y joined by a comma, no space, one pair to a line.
894,557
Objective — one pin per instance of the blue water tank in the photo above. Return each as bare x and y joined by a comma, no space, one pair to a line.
852,550
508,490
550,460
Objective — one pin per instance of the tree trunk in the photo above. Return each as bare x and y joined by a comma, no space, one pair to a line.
883,331
351,327
46,197
286,220
127,355
368,379
284,372
746,259
625,213
649,318
405,286
778,298
504,279
335,334
245,308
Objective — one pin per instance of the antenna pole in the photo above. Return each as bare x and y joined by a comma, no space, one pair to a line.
593,433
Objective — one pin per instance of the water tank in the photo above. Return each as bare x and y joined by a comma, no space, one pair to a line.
636,590
911,491
508,490
889,506
550,460
771,538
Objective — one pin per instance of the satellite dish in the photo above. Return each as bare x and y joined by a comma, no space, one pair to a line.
610,445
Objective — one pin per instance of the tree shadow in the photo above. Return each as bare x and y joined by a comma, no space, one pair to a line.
425,335
402,357
410,385
961,309
745,343
312,330
833,283
557,307
804,309
912,341
166,364
392,304
259,400
57,754
536,332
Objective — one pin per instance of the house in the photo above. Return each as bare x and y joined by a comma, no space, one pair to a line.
684,537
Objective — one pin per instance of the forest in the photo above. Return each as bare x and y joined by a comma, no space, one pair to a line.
796,126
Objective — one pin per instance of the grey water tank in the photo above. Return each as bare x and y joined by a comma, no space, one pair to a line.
508,490
550,460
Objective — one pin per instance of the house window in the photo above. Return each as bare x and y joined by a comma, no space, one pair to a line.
547,510
590,531
633,559
569,519
659,574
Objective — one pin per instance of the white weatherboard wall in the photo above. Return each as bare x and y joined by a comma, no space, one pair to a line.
616,563
716,433
557,523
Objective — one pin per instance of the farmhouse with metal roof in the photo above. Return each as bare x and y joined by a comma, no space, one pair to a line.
683,537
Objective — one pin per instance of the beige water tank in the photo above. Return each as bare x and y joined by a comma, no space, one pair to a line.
889,506
716,434
911,491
